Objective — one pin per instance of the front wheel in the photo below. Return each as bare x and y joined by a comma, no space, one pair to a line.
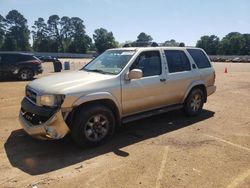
194,102
93,125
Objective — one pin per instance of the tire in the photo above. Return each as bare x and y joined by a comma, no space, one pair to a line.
93,125
194,103
26,74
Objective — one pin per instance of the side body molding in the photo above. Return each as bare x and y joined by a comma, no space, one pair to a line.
191,86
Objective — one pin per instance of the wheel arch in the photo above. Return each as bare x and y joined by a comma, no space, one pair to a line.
95,99
194,85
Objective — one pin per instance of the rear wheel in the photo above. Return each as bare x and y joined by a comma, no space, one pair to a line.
26,74
93,125
194,102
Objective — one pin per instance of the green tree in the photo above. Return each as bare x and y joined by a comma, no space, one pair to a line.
232,44
66,32
104,40
54,35
40,36
246,49
17,34
171,42
79,41
2,30
209,43
143,37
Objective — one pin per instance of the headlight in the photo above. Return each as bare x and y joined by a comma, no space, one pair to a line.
51,100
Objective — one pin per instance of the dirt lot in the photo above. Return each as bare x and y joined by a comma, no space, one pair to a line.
170,150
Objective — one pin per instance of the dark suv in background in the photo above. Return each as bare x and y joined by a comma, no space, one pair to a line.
21,65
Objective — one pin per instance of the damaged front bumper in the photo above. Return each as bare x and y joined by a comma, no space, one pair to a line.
42,122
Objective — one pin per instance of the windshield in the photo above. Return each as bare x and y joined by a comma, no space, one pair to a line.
110,62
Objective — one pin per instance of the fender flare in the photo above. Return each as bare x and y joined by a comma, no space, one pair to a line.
97,96
191,86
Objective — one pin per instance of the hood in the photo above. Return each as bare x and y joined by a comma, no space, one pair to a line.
64,83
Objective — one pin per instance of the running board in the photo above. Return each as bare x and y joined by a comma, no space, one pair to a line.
151,113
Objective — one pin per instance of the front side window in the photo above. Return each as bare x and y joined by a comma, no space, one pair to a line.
110,62
199,58
149,62
177,61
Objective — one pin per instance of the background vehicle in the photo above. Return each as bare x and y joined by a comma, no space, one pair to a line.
56,62
119,86
21,65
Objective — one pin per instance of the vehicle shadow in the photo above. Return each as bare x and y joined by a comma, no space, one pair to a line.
38,157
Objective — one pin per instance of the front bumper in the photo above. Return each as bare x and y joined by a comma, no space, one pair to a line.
51,124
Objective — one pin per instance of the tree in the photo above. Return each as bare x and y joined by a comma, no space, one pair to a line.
104,40
40,36
2,30
246,49
209,43
60,35
143,37
171,42
66,32
182,44
17,34
232,44
54,35
79,41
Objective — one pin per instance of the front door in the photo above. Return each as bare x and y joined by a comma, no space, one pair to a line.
146,93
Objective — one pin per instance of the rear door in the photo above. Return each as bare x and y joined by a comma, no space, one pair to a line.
9,62
204,65
180,75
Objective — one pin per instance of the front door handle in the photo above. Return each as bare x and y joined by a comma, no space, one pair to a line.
163,80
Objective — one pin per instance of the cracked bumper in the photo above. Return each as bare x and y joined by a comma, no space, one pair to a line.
53,127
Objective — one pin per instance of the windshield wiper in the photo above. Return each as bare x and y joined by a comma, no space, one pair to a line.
97,70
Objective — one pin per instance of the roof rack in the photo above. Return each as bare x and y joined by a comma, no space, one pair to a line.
147,44
141,44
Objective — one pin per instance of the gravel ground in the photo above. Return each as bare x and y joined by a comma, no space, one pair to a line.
169,150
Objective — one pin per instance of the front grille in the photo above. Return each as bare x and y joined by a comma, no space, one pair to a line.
34,119
31,95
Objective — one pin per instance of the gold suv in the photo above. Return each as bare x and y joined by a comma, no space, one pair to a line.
119,86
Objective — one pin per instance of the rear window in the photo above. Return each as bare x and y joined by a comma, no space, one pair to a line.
200,58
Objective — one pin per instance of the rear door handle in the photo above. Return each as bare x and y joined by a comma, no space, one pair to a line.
163,80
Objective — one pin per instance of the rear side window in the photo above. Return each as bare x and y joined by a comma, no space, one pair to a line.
177,61
200,58
25,57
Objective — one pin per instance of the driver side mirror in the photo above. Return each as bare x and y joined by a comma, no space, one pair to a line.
134,74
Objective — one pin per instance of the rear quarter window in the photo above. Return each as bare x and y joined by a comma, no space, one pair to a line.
200,58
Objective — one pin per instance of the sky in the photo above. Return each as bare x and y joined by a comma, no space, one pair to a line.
183,20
